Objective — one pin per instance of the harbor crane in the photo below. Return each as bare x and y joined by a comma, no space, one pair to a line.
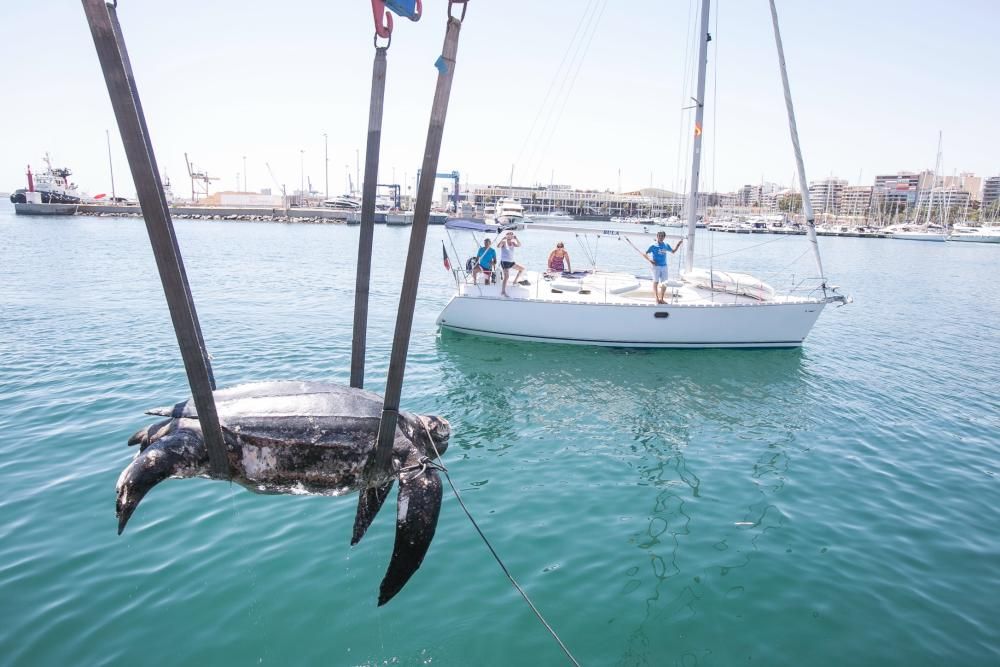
201,176
284,197
453,175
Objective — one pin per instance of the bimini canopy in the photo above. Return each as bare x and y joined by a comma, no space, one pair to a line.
470,225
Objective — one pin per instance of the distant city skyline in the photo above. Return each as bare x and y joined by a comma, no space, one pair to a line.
590,95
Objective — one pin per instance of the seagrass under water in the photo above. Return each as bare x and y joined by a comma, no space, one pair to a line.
825,506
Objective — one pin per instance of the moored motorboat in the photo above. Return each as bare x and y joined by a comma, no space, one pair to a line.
508,211
48,187
970,234
32,208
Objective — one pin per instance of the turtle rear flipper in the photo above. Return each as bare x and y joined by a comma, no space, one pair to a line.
370,501
147,435
417,509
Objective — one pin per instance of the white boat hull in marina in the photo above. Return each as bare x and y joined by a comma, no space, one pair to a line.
980,236
534,313
919,236
398,219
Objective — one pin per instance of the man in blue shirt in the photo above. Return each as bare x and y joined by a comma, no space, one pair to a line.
486,258
657,256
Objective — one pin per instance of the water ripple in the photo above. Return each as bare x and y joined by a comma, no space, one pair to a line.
828,505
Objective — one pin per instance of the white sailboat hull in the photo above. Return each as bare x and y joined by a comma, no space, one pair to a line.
919,236
726,325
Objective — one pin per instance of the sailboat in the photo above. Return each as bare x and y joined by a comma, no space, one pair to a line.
916,231
704,308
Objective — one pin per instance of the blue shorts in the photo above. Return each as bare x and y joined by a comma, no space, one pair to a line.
659,274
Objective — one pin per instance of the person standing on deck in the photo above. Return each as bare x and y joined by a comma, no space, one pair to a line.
657,256
507,245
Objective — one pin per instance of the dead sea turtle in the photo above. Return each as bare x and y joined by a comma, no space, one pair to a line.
302,438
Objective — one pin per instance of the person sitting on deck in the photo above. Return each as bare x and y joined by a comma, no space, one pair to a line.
559,259
486,259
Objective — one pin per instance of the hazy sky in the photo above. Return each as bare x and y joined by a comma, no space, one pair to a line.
578,92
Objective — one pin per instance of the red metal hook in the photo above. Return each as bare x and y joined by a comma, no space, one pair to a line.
383,19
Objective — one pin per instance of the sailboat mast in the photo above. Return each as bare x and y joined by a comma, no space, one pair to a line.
937,170
803,183
699,115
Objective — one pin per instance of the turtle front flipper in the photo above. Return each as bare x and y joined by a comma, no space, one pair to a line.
417,509
369,503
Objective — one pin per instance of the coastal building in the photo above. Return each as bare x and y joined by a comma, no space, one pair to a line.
856,200
896,190
991,191
748,195
966,181
945,203
927,179
646,202
825,195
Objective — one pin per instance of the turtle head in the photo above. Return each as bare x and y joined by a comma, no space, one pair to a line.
179,454
439,430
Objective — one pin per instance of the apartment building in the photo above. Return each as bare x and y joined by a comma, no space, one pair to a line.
825,195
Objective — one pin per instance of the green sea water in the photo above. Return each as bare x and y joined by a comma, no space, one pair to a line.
833,505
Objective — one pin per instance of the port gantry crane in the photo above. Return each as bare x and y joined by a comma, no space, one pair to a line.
202,176
453,175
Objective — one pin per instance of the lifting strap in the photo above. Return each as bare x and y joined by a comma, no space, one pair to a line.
365,240
377,469
411,9
110,45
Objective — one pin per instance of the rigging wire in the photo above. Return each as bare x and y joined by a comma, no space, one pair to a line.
555,77
757,245
715,127
714,136
591,255
592,27
454,489
684,87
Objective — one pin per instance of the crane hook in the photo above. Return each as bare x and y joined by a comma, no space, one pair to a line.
383,19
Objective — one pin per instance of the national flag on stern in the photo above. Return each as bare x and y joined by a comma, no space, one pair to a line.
447,262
